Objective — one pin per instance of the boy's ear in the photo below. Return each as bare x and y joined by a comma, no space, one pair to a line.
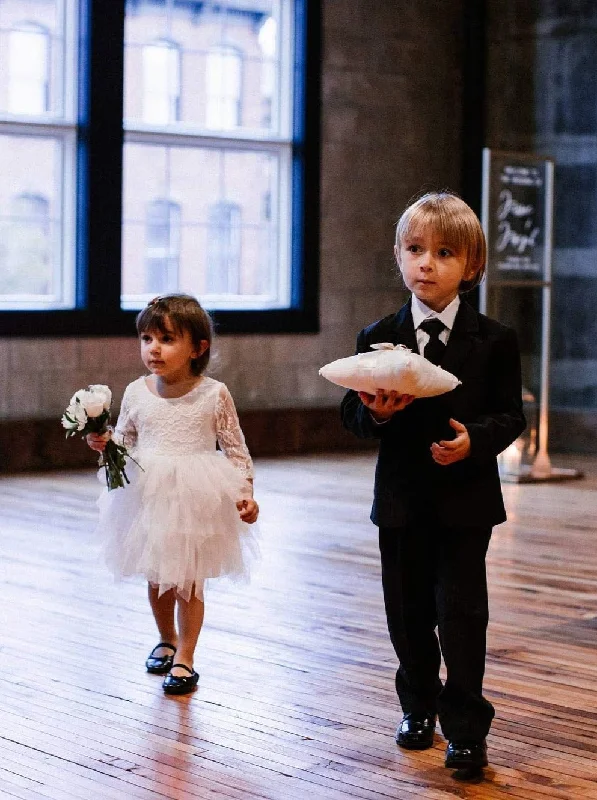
397,255
472,271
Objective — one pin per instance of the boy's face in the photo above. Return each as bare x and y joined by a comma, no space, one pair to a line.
431,269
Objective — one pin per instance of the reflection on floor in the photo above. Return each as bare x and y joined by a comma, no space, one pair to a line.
296,692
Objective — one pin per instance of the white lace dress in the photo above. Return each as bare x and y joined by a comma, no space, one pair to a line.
176,523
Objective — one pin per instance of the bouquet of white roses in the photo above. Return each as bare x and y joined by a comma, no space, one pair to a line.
89,412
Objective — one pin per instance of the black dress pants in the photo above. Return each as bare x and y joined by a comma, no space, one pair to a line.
435,576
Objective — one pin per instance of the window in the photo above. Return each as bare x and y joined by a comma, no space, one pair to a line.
25,259
158,145
267,43
28,69
37,155
162,247
223,249
224,79
32,208
161,83
231,144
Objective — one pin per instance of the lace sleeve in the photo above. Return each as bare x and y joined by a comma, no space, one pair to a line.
125,432
230,436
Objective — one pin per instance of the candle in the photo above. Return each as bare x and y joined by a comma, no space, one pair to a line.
509,460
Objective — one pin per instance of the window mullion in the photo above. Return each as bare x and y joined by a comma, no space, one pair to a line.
100,157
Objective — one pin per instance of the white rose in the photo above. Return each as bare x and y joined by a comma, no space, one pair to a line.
104,392
75,398
75,417
93,405
69,424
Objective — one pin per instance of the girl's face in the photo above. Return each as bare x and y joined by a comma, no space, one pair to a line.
431,269
168,355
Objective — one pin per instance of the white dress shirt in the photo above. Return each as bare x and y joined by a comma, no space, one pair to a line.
421,312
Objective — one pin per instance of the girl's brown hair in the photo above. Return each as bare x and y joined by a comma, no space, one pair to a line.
184,313
457,225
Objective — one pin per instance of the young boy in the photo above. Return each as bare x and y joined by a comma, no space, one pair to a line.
437,491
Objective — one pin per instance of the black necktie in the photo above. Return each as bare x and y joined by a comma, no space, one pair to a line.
434,349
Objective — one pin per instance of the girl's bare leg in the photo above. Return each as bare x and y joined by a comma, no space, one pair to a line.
163,613
190,621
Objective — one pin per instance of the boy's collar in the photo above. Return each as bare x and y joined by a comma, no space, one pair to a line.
421,312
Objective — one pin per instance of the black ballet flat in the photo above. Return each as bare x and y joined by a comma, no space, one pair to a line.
160,665
180,684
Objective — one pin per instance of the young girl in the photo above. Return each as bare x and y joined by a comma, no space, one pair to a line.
437,489
184,516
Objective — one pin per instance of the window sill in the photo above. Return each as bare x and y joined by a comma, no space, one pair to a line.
85,323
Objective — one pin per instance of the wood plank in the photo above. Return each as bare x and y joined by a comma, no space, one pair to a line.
296,694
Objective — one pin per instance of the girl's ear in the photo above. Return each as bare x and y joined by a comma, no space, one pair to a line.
198,351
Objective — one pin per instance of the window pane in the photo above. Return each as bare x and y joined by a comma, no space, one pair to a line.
161,83
162,246
224,247
28,59
33,271
223,88
37,47
224,239
230,63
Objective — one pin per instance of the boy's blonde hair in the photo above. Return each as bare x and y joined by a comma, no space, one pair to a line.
455,222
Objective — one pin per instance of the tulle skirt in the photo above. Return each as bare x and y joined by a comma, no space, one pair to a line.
176,523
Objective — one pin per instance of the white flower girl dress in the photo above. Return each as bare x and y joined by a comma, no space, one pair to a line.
177,523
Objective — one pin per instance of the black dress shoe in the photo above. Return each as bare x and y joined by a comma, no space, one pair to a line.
415,732
180,684
160,665
466,755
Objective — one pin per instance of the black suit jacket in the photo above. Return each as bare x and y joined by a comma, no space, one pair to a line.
484,355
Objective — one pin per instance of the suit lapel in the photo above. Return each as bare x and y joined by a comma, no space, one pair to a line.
461,338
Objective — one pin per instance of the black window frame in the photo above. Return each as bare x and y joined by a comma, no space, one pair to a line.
98,309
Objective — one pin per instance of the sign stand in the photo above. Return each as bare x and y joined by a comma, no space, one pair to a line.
517,219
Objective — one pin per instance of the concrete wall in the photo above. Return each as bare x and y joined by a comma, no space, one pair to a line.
542,98
391,121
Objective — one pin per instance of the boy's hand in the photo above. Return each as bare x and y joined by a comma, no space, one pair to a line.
97,441
383,406
248,509
448,452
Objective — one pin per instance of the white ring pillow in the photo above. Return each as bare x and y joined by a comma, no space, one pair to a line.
390,368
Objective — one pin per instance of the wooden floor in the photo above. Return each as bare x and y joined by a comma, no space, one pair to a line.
296,698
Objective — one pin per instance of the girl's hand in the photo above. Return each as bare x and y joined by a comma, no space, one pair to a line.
248,509
97,441
383,406
448,452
